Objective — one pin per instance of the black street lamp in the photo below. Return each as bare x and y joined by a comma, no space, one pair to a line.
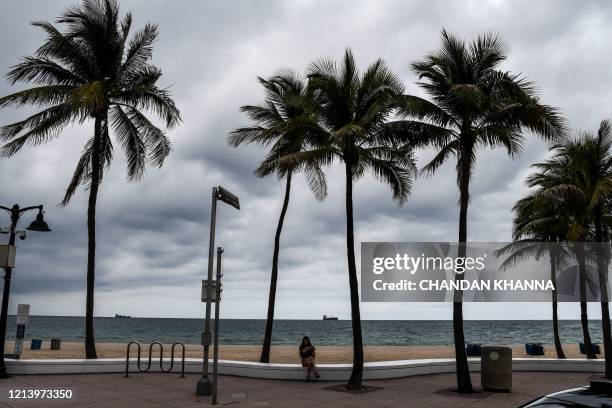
218,193
38,224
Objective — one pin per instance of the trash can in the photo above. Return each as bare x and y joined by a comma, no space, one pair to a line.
534,349
594,346
56,344
496,368
36,344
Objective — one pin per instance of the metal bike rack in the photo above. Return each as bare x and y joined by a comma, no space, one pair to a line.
161,358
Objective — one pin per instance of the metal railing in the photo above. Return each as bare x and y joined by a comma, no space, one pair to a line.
161,358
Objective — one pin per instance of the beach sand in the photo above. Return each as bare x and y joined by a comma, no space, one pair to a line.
279,354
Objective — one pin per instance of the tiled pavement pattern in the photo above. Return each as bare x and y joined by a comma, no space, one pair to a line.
168,390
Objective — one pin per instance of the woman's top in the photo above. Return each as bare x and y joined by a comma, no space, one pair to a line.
307,351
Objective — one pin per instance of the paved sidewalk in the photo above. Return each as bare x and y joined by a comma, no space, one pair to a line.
168,390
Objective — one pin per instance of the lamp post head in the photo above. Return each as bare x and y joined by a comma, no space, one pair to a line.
39,224
228,198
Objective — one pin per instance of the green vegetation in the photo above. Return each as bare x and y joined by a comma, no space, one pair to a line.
578,180
347,119
279,124
473,105
540,225
93,71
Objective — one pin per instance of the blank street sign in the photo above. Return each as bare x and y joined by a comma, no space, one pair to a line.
23,313
7,256
209,292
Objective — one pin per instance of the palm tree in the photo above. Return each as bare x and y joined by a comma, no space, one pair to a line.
540,227
279,124
93,71
473,105
599,161
353,111
555,177
580,173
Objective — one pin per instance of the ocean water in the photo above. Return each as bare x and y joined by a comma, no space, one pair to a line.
290,332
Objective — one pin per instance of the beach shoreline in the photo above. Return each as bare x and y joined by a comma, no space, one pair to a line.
279,353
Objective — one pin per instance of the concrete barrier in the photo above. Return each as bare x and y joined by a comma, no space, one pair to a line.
329,372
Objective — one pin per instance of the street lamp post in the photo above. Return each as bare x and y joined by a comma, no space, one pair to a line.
38,224
204,386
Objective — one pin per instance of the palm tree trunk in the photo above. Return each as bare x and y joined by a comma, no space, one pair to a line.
464,382
265,351
357,374
607,330
90,346
555,316
602,272
584,317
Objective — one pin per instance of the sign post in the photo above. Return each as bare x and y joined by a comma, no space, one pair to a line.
204,386
216,335
23,315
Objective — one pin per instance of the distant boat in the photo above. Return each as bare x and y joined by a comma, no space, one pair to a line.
330,317
118,316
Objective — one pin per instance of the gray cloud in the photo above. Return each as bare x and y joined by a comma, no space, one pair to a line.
153,235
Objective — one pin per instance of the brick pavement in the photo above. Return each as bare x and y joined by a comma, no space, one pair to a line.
157,390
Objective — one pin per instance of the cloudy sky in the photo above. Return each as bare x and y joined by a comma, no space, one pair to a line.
153,235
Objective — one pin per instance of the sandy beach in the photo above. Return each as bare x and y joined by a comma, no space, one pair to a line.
279,354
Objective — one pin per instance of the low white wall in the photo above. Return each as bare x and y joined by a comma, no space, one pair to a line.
329,372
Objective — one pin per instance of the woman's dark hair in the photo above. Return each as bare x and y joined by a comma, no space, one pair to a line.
304,339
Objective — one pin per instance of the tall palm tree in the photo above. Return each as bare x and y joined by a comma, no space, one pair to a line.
600,160
580,173
473,105
93,71
279,124
353,111
556,179
540,227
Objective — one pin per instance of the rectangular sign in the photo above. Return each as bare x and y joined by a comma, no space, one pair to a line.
209,292
483,271
7,256
23,314
18,347
206,339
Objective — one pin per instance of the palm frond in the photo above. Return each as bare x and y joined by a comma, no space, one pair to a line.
316,180
44,96
443,154
140,49
157,143
43,129
63,48
42,70
83,170
159,101
129,137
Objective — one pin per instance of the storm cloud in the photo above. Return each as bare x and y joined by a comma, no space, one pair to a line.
153,235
